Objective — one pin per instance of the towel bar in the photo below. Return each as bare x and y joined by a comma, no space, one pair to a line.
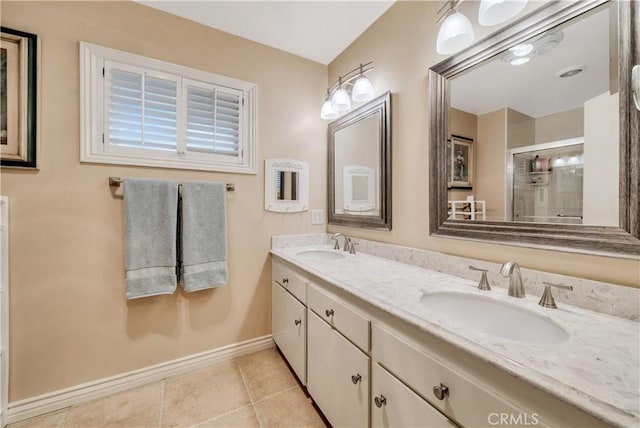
117,181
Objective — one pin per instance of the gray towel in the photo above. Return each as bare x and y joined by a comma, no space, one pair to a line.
204,235
150,227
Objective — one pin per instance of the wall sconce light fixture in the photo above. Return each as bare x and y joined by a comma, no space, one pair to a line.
456,31
338,99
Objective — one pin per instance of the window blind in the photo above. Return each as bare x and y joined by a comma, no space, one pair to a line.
213,119
142,110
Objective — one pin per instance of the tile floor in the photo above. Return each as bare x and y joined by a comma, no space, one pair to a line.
256,390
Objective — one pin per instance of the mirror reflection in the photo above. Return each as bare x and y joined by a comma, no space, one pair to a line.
357,161
286,186
359,172
534,130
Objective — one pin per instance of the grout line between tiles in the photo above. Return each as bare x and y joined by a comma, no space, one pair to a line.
222,415
276,393
64,418
164,384
246,387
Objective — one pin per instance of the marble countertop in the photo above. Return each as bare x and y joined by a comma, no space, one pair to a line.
597,369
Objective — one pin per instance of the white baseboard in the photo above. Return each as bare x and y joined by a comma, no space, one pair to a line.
56,400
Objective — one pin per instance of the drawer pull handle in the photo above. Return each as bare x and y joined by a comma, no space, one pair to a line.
329,312
441,392
298,322
380,401
356,378
285,280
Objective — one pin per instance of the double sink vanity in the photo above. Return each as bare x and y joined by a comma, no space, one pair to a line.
381,343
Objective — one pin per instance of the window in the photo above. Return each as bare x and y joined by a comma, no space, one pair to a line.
141,111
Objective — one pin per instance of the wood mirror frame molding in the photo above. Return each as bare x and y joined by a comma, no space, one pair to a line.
622,241
380,105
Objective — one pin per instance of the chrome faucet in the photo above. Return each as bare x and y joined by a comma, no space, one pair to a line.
512,270
346,241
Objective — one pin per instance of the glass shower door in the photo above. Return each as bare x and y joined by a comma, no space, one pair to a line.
547,182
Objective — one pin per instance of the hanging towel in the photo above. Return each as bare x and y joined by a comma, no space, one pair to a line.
150,227
204,235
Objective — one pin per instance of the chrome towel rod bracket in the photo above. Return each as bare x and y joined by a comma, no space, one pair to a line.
117,181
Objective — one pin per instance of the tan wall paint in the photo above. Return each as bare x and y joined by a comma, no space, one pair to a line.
491,162
521,129
402,45
560,126
70,322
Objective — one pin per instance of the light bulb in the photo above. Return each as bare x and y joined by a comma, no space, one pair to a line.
520,60
362,90
455,34
327,112
493,12
522,49
340,100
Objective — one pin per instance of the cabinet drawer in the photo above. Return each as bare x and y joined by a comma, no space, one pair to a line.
289,326
289,279
351,324
338,375
467,403
395,405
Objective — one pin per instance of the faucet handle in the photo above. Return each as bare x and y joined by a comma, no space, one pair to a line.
484,282
547,299
337,246
352,250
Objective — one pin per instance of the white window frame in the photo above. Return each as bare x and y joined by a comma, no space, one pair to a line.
94,147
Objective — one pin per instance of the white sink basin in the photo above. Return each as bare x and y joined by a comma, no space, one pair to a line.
493,317
320,255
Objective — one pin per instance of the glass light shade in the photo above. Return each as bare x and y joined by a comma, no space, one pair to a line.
327,112
520,60
340,101
362,90
493,12
456,33
522,49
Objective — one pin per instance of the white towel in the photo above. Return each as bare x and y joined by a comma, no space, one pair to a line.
204,235
150,220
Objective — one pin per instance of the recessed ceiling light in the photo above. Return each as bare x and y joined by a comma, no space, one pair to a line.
571,71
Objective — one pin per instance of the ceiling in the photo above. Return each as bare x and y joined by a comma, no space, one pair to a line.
317,30
535,88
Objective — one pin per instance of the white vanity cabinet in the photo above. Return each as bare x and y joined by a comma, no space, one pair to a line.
289,317
448,389
338,375
397,406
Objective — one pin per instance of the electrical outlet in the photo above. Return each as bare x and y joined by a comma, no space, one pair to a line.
317,216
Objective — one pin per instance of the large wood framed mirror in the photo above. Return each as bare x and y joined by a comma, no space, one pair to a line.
359,171
552,158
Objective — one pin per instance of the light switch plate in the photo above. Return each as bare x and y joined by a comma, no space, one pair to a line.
317,216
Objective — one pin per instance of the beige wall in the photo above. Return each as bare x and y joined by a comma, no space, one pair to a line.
521,129
491,163
402,46
560,126
70,322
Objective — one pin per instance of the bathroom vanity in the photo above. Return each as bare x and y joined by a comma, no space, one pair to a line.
359,334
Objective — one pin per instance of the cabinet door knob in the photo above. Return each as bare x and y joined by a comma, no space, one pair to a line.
356,378
298,322
441,392
380,401
285,280
329,312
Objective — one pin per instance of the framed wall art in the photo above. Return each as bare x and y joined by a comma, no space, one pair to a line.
459,162
18,98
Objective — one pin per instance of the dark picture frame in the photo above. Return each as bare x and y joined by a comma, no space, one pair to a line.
459,162
18,98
